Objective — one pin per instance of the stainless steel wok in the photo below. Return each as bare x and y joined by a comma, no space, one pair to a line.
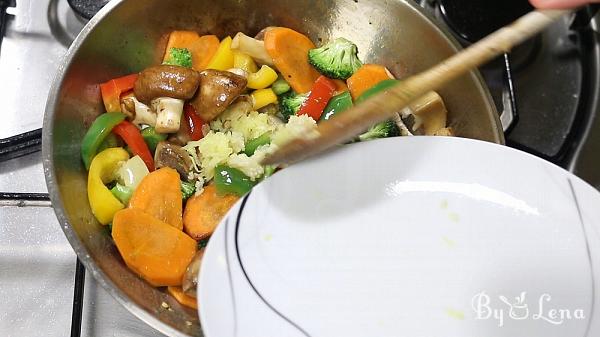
129,35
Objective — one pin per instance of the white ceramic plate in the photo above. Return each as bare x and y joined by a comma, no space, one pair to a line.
408,237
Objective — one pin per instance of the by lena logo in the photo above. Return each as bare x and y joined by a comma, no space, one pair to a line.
518,309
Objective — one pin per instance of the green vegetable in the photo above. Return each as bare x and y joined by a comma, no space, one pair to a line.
108,228
152,138
381,130
337,59
255,143
179,57
187,190
290,103
110,141
337,104
280,86
202,243
122,192
269,170
229,180
96,134
377,88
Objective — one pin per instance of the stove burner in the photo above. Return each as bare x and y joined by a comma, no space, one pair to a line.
475,19
87,8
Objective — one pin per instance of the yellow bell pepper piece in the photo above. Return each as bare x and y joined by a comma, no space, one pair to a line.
244,62
263,97
104,165
262,78
223,58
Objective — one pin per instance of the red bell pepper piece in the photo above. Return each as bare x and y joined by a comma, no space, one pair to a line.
319,96
113,89
194,122
133,138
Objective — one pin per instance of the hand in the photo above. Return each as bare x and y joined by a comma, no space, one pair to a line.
556,4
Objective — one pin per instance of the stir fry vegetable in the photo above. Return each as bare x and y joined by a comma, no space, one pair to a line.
96,134
179,57
337,59
113,89
317,100
336,105
198,126
103,203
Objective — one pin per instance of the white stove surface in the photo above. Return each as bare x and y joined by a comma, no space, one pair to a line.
37,270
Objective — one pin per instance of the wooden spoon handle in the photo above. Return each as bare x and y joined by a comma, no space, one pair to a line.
382,106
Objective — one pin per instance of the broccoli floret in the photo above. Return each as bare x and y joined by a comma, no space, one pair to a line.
290,103
381,130
179,57
337,59
187,190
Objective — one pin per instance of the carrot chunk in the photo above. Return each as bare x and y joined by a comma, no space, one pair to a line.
153,249
202,48
365,77
289,50
159,194
204,212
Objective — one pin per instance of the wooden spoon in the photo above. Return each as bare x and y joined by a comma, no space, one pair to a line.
382,106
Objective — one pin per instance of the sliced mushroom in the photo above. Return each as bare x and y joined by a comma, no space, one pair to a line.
169,111
166,81
137,112
255,48
217,90
189,282
182,136
429,111
173,156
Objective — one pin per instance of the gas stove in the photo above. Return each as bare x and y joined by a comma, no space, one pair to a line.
546,92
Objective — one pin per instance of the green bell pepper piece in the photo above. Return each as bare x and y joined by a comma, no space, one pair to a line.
377,88
152,138
110,141
96,134
337,104
255,143
229,180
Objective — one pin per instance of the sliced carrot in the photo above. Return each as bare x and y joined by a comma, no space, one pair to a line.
183,298
365,77
204,212
159,194
289,51
202,47
156,251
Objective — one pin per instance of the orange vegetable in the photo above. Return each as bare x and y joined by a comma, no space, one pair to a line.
365,77
156,251
159,195
202,47
340,86
182,298
289,51
204,212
